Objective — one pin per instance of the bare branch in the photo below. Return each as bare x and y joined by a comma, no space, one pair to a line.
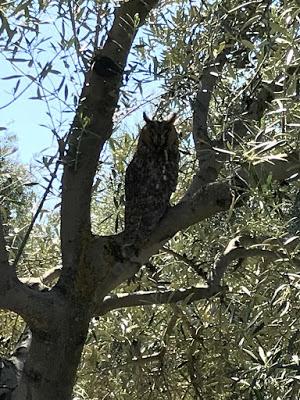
235,251
155,297
209,160
208,169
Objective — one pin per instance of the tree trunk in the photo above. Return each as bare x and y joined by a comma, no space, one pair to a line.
50,369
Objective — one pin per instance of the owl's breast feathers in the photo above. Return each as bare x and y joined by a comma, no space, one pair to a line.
151,177
154,172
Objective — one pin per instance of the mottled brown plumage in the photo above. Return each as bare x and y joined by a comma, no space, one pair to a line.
151,177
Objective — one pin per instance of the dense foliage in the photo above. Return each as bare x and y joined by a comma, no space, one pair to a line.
244,342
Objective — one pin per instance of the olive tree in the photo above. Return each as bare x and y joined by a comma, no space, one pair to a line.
230,70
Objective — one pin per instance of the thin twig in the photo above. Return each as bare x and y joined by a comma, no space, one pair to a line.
31,225
76,40
196,267
3,251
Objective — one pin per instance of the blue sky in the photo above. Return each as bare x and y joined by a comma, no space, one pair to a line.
22,119
24,116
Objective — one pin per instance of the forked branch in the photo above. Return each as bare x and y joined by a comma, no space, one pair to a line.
234,251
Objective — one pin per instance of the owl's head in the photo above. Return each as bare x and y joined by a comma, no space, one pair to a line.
159,134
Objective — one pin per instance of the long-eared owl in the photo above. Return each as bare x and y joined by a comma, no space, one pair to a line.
151,177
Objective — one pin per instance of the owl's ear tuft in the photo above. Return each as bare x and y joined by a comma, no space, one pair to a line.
146,118
172,119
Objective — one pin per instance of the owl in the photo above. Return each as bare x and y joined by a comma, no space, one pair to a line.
150,178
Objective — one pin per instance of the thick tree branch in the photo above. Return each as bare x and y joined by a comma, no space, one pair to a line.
155,297
128,18
208,168
279,169
92,126
11,369
217,197
207,202
209,160
14,295
233,251
35,307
